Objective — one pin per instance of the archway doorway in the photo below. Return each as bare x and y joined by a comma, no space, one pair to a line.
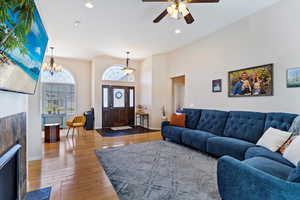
58,97
118,98
178,93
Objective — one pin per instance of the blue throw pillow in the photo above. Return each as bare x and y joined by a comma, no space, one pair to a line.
295,174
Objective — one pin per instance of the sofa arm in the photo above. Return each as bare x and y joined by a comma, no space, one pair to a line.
239,181
164,123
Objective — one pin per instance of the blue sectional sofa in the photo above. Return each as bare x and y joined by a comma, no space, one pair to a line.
244,165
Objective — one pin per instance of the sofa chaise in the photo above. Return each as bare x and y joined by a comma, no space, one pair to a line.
244,166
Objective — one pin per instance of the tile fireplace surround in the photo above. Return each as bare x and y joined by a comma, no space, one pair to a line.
12,132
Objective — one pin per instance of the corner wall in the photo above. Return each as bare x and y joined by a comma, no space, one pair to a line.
155,88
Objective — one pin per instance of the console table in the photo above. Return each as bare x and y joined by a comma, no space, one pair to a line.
143,117
52,133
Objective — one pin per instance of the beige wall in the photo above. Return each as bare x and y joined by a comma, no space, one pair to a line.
145,82
99,65
269,36
155,88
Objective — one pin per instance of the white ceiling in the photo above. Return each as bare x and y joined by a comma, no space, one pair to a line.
114,26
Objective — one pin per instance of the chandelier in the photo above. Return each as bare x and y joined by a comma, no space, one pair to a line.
127,69
52,67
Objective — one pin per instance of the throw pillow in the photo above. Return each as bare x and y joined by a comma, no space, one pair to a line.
285,145
295,128
178,120
292,151
294,175
273,139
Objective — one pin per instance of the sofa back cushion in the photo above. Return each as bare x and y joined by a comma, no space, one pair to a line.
281,121
213,121
247,126
192,117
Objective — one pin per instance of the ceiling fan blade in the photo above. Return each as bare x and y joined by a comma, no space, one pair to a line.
161,16
189,18
202,1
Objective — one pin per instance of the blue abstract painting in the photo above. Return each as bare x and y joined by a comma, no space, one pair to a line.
23,45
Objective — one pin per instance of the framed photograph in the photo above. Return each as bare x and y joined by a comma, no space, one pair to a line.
23,44
251,82
217,85
293,78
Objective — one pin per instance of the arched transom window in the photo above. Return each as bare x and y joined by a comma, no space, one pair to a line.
115,73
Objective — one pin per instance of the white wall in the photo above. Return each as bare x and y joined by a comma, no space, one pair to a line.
99,65
12,103
34,130
269,36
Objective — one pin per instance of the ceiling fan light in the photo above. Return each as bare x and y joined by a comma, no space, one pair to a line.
174,6
170,10
128,70
175,14
182,7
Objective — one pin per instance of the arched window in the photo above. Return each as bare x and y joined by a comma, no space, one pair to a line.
64,77
115,73
58,97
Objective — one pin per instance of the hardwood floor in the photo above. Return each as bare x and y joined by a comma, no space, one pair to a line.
72,169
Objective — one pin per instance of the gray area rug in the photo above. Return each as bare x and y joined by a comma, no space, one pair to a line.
160,171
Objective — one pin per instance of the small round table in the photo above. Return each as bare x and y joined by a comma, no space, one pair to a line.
52,133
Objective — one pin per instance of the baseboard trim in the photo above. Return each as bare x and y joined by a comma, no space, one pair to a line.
34,158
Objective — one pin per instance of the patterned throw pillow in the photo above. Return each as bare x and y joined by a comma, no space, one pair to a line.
295,128
285,145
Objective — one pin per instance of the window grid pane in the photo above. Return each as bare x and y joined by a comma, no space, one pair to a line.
131,98
105,97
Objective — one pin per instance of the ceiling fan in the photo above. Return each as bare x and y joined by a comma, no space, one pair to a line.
179,9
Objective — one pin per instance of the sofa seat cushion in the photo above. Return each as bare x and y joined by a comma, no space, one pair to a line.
221,146
281,121
213,121
247,126
270,166
196,139
295,174
192,117
173,132
264,152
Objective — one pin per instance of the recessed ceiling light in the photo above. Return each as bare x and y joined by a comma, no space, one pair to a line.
177,31
76,23
89,4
